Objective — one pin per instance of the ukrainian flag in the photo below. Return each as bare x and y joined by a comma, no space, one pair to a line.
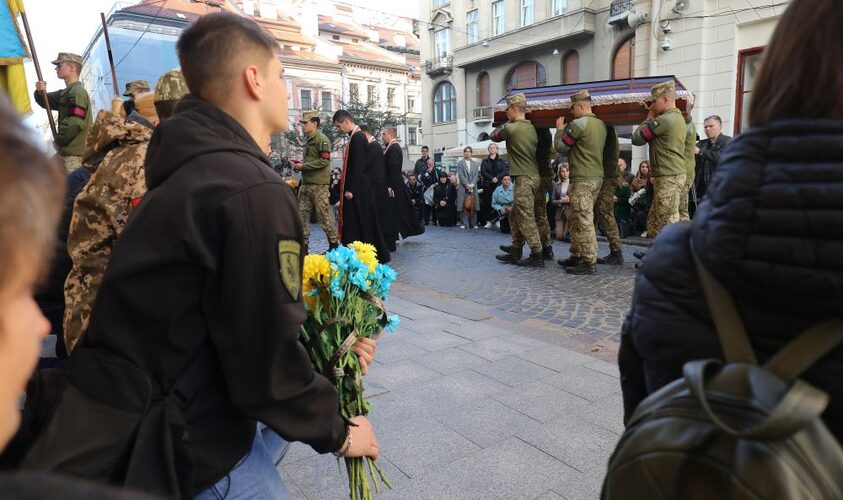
12,53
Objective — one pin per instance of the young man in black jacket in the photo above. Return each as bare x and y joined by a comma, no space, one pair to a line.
209,264
492,170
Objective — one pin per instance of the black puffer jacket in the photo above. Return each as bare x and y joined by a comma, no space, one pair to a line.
771,231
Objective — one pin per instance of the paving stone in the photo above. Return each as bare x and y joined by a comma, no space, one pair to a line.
541,401
389,352
549,495
497,348
610,369
555,358
434,341
483,421
579,444
606,413
478,382
399,374
319,477
514,371
450,360
585,383
476,331
298,451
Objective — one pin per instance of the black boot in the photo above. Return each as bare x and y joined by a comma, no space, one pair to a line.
639,254
569,262
511,257
613,259
506,248
547,252
582,268
536,259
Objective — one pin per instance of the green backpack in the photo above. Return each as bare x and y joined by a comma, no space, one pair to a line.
733,430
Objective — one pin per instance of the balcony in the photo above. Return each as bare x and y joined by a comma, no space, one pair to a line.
441,66
618,11
483,114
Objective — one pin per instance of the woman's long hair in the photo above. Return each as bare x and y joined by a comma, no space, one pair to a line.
800,74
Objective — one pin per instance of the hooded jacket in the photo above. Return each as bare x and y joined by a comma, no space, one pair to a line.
771,232
204,264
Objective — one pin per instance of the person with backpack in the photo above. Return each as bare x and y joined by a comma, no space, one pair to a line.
766,287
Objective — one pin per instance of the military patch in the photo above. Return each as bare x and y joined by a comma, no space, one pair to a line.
289,266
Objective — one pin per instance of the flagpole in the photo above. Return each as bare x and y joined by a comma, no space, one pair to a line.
110,55
38,72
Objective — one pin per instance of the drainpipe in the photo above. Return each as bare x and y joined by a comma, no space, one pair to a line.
654,42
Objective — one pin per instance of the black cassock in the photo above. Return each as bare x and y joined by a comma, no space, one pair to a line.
376,172
359,215
405,220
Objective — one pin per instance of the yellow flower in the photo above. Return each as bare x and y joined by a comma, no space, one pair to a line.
316,274
367,254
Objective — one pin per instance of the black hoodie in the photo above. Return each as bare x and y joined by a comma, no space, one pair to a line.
198,266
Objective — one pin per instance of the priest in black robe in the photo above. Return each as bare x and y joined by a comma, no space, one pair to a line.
405,221
376,172
358,213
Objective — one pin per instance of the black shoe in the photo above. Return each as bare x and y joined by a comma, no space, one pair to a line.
536,259
639,254
613,259
547,253
569,262
582,268
510,257
506,248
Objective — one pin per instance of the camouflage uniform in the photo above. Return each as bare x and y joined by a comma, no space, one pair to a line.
314,193
136,87
665,135
74,108
115,154
690,171
605,208
522,219
171,86
583,195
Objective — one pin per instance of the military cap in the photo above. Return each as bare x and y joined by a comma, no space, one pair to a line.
68,57
663,88
516,99
582,95
309,115
171,86
136,87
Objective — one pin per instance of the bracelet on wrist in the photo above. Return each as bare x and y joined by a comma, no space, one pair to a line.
346,447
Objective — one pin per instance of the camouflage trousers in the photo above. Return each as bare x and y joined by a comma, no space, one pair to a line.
605,213
314,197
71,163
667,190
540,211
683,198
522,219
583,195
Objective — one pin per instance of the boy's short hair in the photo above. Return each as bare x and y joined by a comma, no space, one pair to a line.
341,116
215,48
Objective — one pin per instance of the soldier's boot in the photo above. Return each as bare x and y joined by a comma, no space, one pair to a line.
569,262
536,259
582,268
613,259
511,257
506,248
547,252
639,254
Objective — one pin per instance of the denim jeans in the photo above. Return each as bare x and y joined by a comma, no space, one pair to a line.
255,476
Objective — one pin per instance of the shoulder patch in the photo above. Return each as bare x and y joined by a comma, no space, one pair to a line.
289,252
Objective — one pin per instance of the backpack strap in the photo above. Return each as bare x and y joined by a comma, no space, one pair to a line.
806,349
727,320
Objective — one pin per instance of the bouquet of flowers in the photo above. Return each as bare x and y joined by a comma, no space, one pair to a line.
343,293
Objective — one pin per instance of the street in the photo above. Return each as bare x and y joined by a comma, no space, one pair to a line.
499,383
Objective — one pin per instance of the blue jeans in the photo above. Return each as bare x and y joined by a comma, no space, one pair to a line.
255,476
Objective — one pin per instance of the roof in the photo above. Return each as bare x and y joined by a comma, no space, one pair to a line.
171,9
330,25
370,53
387,38
614,101
304,55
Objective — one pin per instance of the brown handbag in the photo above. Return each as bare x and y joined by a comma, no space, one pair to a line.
468,206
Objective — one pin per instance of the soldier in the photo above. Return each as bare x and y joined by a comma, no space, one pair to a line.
316,177
133,88
73,106
665,131
690,165
544,155
605,208
583,141
115,154
521,144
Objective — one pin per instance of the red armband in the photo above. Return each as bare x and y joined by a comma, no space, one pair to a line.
135,202
647,133
568,140
325,155
78,111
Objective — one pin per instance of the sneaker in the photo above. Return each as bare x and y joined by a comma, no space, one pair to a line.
613,259
488,225
569,262
547,253
462,227
582,268
534,260
644,234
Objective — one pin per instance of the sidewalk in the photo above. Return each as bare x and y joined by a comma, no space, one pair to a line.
466,406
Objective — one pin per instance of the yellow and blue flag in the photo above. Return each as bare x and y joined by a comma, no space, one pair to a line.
12,54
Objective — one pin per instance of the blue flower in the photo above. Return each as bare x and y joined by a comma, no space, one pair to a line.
392,322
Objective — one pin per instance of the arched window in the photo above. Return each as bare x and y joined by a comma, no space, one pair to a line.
483,96
444,103
571,68
484,136
525,75
623,63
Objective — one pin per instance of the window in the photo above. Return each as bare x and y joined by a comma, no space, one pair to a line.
571,68
749,62
498,25
371,94
443,43
440,3
527,74
526,12
445,103
623,64
560,7
483,84
472,26
411,104
354,92
327,101
306,99
390,97
412,136
335,37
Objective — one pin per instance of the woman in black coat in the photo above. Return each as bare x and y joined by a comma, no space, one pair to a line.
770,230
445,201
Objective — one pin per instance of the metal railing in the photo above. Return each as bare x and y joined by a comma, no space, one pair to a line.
619,7
441,64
